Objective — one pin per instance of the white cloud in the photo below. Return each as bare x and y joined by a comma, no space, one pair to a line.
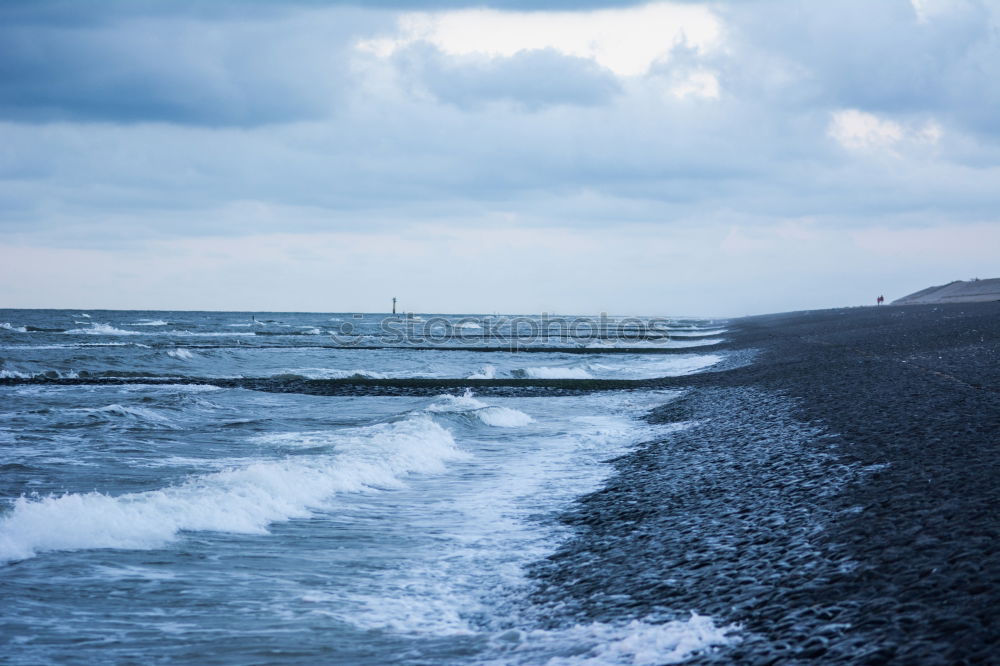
928,10
696,84
625,41
857,130
866,132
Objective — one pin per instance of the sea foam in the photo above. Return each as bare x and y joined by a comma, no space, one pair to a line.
654,366
117,412
243,500
491,415
485,372
638,643
98,328
336,373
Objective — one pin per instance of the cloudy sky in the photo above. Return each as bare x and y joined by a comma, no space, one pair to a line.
717,158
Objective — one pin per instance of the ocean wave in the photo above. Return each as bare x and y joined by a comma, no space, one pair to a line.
243,500
464,587
659,344
695,328
200,334
77,345
11,327
171,388
151,322
553,373
503,417
48,374
100,329
683,335
653,367
181,354
310,331
334,373
132,414
491,415
697,342
97,328
485,372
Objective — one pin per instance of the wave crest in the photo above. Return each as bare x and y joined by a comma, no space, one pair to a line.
491,415
98,328
243,500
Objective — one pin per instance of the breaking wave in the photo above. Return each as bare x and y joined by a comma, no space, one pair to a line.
334,373
653,367
131,414
47,374
486,372
491,415
100,329
243,500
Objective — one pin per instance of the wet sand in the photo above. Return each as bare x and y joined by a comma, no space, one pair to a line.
836,493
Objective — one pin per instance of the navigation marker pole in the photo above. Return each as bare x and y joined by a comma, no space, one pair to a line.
393,305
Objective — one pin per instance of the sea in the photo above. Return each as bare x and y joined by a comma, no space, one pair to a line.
320,488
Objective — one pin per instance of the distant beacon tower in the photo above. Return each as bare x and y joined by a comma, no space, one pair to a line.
393,305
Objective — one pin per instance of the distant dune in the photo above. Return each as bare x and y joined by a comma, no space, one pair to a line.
959,291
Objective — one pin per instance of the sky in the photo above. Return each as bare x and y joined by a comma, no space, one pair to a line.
689,158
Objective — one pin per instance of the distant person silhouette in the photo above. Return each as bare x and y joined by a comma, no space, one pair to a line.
880,300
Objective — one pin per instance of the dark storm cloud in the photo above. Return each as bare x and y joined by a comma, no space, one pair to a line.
172,69
216,63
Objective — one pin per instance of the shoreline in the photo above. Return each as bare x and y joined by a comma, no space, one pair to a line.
835,495
830,487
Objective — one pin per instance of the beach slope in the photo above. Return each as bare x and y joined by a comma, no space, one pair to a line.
971,291
835,491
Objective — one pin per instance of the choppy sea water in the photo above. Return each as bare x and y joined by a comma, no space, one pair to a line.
151,512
